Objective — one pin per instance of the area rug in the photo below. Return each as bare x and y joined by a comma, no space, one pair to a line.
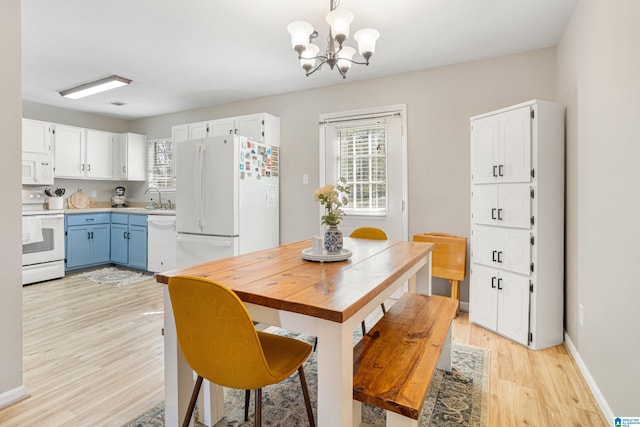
113,276
455,399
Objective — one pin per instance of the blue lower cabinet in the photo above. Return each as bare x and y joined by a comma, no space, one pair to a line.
102,238
87,240
129,240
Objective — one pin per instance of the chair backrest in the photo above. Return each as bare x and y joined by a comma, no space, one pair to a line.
216,334
370,233
449,256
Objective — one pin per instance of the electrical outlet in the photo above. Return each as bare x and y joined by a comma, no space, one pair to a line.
581,315
94,193
305,179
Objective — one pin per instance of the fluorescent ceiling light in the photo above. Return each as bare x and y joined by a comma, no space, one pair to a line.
92,88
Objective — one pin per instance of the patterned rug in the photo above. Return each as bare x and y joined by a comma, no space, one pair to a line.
455,399
114,276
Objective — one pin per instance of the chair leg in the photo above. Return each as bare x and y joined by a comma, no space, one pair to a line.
364,329
455,293
258,405
192,403
305,393
315,344
247,396
384,309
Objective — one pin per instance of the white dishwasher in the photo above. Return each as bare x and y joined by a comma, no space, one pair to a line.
161,247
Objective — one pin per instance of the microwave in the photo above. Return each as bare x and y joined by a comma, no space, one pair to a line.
37,168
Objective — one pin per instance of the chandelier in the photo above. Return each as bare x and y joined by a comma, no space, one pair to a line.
340,56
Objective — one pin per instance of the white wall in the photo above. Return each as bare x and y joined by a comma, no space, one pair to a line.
10,215
598,80
439,104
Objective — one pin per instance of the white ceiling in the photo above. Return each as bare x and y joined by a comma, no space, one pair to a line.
186,54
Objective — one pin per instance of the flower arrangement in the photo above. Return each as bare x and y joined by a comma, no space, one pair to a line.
333,197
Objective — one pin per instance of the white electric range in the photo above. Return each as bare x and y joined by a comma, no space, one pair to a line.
42,239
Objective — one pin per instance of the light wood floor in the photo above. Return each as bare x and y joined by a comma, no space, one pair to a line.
93,356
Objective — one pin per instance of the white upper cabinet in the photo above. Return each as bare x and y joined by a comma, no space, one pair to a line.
130,157
37,152
69,152
83,153
37,136
261,127
501,147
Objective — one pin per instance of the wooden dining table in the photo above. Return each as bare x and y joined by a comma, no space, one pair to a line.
323,299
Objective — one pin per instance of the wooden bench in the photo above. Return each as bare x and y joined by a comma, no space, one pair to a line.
395,362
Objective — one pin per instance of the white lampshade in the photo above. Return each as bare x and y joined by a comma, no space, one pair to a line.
366,39
300,32
307,57
345,54
339,20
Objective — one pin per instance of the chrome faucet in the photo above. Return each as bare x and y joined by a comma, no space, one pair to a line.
153,205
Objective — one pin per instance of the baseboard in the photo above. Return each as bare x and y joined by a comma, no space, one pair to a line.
464,306
602,402
12,396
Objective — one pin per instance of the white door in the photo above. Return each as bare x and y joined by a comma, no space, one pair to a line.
222,127
250,126
371,154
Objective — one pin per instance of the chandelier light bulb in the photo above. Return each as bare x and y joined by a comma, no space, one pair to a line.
344,58
307,58
366,39
300,32
339,20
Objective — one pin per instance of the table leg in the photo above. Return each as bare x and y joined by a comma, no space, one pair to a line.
335,375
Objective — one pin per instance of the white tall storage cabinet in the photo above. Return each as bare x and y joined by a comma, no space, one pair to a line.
517,223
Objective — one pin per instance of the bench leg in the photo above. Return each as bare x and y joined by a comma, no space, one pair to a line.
444,362
397,420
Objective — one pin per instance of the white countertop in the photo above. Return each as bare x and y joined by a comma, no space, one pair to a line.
130,210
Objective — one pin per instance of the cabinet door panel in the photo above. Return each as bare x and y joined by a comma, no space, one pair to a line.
221,127
198,130
77,245
483,296
69,152
515,145
484,144
504,248
250,126
138,246
514,204
100,243
99,154
484,204
119,244
513,307
36,136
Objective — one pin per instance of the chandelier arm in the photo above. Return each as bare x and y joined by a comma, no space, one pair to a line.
317,67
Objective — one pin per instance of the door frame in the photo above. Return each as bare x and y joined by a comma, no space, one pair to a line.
366,113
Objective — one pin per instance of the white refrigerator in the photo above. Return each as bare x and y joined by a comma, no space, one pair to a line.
227,198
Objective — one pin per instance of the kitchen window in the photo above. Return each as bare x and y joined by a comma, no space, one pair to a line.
161,161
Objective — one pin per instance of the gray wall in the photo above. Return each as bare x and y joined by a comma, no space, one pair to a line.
10,215
598,69
439,104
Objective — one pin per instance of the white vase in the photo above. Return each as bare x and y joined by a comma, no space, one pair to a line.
333,239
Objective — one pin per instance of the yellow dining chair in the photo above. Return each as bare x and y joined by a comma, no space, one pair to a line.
370,233
219,342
